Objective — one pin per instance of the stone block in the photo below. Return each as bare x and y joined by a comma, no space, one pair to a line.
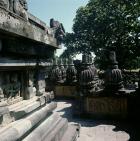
109,107
5,117
65,91
30,93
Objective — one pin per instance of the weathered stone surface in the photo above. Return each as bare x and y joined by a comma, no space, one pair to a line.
17,26
20,8
65,91
5,117
70,134
52,129
113,75
106,107
25,107
21,127
71,73
4,4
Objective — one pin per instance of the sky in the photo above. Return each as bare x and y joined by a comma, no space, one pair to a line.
63,11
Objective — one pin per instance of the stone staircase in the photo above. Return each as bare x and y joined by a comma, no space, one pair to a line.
34,120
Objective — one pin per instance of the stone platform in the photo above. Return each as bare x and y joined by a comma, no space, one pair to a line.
99,130
103,105
34,120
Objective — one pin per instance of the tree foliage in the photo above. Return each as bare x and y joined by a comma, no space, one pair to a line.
104,25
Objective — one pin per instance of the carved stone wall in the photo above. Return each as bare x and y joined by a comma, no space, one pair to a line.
20,8
10,87
107,106
4,3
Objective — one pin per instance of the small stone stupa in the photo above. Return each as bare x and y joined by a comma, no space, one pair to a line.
113,75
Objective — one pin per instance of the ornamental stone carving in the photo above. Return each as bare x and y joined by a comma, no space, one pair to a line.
4,4
56,74
12,89
113,75
59,30
20,8
71,73
88,76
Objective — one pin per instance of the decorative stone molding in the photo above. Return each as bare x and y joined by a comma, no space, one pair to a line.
4,4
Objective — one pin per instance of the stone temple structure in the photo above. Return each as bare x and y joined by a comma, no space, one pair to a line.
26,108
102,100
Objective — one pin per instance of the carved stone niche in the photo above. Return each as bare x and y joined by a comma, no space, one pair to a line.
20,8
4,3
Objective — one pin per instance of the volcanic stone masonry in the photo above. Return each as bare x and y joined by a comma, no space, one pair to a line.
26,46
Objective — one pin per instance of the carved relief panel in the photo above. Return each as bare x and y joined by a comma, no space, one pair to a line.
10,86
4,3
17,6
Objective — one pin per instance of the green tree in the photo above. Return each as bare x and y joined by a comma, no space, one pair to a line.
104,25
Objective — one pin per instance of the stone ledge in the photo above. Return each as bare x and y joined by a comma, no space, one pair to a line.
19,128
25,107
15,25
102,107
50,129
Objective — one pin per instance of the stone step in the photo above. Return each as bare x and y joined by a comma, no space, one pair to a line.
22,104
49,130
20,128
25,107
54,130
46,97
20,113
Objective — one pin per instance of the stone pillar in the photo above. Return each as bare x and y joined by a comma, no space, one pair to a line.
40,81
30,86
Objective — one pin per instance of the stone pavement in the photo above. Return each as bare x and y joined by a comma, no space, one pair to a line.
94,130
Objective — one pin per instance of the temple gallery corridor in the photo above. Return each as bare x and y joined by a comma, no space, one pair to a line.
99,130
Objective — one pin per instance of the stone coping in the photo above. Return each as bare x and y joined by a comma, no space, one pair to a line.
15,25
5,62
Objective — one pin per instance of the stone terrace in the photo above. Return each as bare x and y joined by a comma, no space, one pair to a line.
95,130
